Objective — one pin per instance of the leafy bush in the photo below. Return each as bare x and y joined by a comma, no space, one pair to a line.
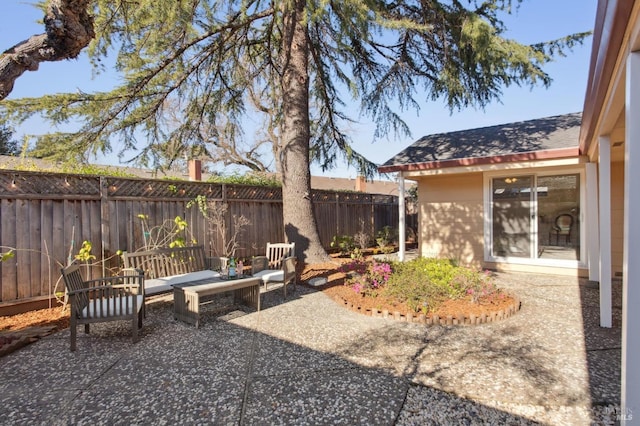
255,179
384,237
344,243
423,284
478,286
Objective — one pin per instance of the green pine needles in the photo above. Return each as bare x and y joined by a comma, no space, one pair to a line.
189,83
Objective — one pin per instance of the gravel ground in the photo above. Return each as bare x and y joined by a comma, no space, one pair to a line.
306,360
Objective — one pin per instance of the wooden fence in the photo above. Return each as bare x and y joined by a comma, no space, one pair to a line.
46,217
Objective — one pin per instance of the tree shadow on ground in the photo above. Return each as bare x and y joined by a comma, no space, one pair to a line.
226,372
603,345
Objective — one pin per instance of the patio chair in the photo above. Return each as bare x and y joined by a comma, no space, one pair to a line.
277,252
562,226
269,267
119,298
286,275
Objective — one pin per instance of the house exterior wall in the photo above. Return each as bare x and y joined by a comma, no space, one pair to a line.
617,217
452,223
451,212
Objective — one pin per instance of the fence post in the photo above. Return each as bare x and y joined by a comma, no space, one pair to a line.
104,221
372,225
337,213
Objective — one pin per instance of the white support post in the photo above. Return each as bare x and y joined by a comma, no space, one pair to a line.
593,237
401,218
604,200
630,385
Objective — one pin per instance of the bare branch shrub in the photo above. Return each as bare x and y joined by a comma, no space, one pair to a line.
216,214
362,239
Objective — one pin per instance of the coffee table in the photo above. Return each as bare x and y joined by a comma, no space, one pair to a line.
187,297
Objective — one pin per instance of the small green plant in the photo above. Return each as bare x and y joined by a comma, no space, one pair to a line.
84,254
384,238
7,255
172,233
344,243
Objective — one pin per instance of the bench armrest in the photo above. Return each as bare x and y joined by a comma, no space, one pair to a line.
131,278
259,263
216,263
106,290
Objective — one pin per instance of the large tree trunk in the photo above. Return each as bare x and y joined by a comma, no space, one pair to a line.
69,30
299,220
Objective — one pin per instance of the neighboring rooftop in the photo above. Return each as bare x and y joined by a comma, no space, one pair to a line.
317,182
550,137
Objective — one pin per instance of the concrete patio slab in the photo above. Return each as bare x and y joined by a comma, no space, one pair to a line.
306,360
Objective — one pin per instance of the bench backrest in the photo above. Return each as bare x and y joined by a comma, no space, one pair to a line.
277,252
164,262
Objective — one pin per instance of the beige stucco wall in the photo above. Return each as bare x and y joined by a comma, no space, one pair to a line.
617,217
452,224
451,217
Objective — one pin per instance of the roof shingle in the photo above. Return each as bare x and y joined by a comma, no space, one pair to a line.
543,134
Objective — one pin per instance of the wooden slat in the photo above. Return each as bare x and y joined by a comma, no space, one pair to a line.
48,268
35,238
8,235
23,257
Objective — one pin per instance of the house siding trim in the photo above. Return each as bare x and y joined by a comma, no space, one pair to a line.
468,162
630,381
612,20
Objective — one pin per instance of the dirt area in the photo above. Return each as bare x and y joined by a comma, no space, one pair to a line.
54,317
57,319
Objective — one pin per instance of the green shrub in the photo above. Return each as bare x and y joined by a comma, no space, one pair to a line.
477,285
254,179
424,284
385,237
344,243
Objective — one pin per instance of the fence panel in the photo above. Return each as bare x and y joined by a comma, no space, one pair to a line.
46,217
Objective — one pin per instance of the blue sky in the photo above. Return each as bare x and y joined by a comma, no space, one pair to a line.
536,20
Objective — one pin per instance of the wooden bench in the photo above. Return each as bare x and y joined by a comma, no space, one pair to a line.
165,267
117,298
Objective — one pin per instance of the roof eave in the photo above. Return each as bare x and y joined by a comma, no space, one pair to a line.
612,20
468,162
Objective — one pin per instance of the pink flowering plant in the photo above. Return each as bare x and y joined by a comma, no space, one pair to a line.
367,277
479,286
423,284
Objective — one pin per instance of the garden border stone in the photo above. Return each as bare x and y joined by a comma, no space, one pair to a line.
420,318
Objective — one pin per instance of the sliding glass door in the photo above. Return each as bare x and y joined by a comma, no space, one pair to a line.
559,217
536,216
512,224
